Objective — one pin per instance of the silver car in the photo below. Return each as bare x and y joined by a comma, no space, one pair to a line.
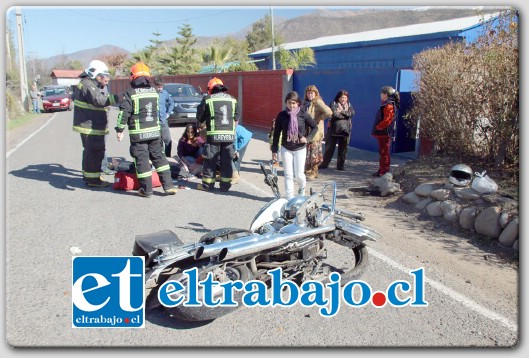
186,100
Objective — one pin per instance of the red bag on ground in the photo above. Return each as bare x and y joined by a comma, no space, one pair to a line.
129,181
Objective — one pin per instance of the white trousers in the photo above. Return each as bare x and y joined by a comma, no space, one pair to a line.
294,167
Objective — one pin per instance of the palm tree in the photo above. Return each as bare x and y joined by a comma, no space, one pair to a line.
217,56
297,60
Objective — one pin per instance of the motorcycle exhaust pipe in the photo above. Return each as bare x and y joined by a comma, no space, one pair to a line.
218,249
254,243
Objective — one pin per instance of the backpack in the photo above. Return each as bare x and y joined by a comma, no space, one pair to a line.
125,180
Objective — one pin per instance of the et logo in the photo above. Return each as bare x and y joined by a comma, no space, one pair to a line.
108,292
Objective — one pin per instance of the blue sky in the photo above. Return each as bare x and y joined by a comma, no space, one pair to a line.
53,30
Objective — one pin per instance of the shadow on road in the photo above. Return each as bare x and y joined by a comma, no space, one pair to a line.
56,174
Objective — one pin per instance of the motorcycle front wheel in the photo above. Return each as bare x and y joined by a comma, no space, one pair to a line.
361,258
221,273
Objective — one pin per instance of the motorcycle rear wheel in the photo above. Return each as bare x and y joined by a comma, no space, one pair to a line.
204,313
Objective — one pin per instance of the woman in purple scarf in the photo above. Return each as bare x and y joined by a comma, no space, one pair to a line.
292,124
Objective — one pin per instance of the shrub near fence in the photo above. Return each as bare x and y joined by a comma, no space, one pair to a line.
468,98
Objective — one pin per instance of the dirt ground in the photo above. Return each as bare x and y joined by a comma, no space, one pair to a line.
434,169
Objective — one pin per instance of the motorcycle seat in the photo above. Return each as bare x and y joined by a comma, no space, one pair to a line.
152,245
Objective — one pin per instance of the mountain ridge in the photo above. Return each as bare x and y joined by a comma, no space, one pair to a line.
320,23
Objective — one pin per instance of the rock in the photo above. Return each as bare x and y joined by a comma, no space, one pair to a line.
389,188
383,180
423,203
425,189
450,211
515,245
434,209
449,186
440,194
74,250
467,194
510,234
467,218
411,198
505,217
488,222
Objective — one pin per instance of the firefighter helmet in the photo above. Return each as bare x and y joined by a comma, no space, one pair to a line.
460,175
214,82
138,70
95,68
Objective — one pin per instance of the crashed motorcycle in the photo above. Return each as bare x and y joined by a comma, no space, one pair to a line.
289,234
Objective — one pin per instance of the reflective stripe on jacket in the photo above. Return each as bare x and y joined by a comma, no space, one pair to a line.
90,112
219,111
139,110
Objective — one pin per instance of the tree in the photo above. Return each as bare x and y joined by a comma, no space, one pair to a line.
181,58
468,98
297,60
242,66
147,55
260,37
74,65
216,56
116,62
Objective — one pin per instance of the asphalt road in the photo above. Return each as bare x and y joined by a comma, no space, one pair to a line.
49,210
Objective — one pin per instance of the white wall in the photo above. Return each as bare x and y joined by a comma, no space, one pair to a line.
66,81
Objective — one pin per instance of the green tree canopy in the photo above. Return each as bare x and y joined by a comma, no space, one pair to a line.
260,37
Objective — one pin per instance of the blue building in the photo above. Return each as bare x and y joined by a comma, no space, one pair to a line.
364,62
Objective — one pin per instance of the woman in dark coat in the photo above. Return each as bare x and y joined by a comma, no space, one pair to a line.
339,130
291,126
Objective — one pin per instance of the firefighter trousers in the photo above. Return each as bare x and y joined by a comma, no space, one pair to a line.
215,153
93,154
142,152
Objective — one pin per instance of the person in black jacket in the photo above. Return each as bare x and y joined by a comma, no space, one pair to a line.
339,130
90,119
291,124
384,126
139,111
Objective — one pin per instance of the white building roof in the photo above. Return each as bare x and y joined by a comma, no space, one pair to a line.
382,34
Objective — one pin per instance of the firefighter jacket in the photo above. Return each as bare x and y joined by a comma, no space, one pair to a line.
90,102
139,110
219,111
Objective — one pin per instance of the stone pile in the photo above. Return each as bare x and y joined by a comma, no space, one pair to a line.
491,215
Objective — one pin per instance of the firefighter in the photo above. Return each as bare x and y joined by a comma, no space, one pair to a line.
90,119
139,110
219,111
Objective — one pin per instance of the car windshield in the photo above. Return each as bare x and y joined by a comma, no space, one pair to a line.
181,91
54,91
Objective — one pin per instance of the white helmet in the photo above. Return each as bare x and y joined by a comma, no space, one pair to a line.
96,67
460,175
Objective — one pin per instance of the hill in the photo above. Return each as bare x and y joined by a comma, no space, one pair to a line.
322,22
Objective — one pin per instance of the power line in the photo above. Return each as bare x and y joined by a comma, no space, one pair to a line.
114,20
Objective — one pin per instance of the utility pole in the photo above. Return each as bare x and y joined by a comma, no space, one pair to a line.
22,61
8,50
273,39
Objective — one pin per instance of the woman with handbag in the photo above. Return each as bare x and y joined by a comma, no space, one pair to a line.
339,130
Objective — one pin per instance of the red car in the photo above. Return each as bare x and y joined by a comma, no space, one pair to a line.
57,98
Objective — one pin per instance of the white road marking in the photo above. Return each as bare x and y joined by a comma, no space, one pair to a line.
29,137
434,284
